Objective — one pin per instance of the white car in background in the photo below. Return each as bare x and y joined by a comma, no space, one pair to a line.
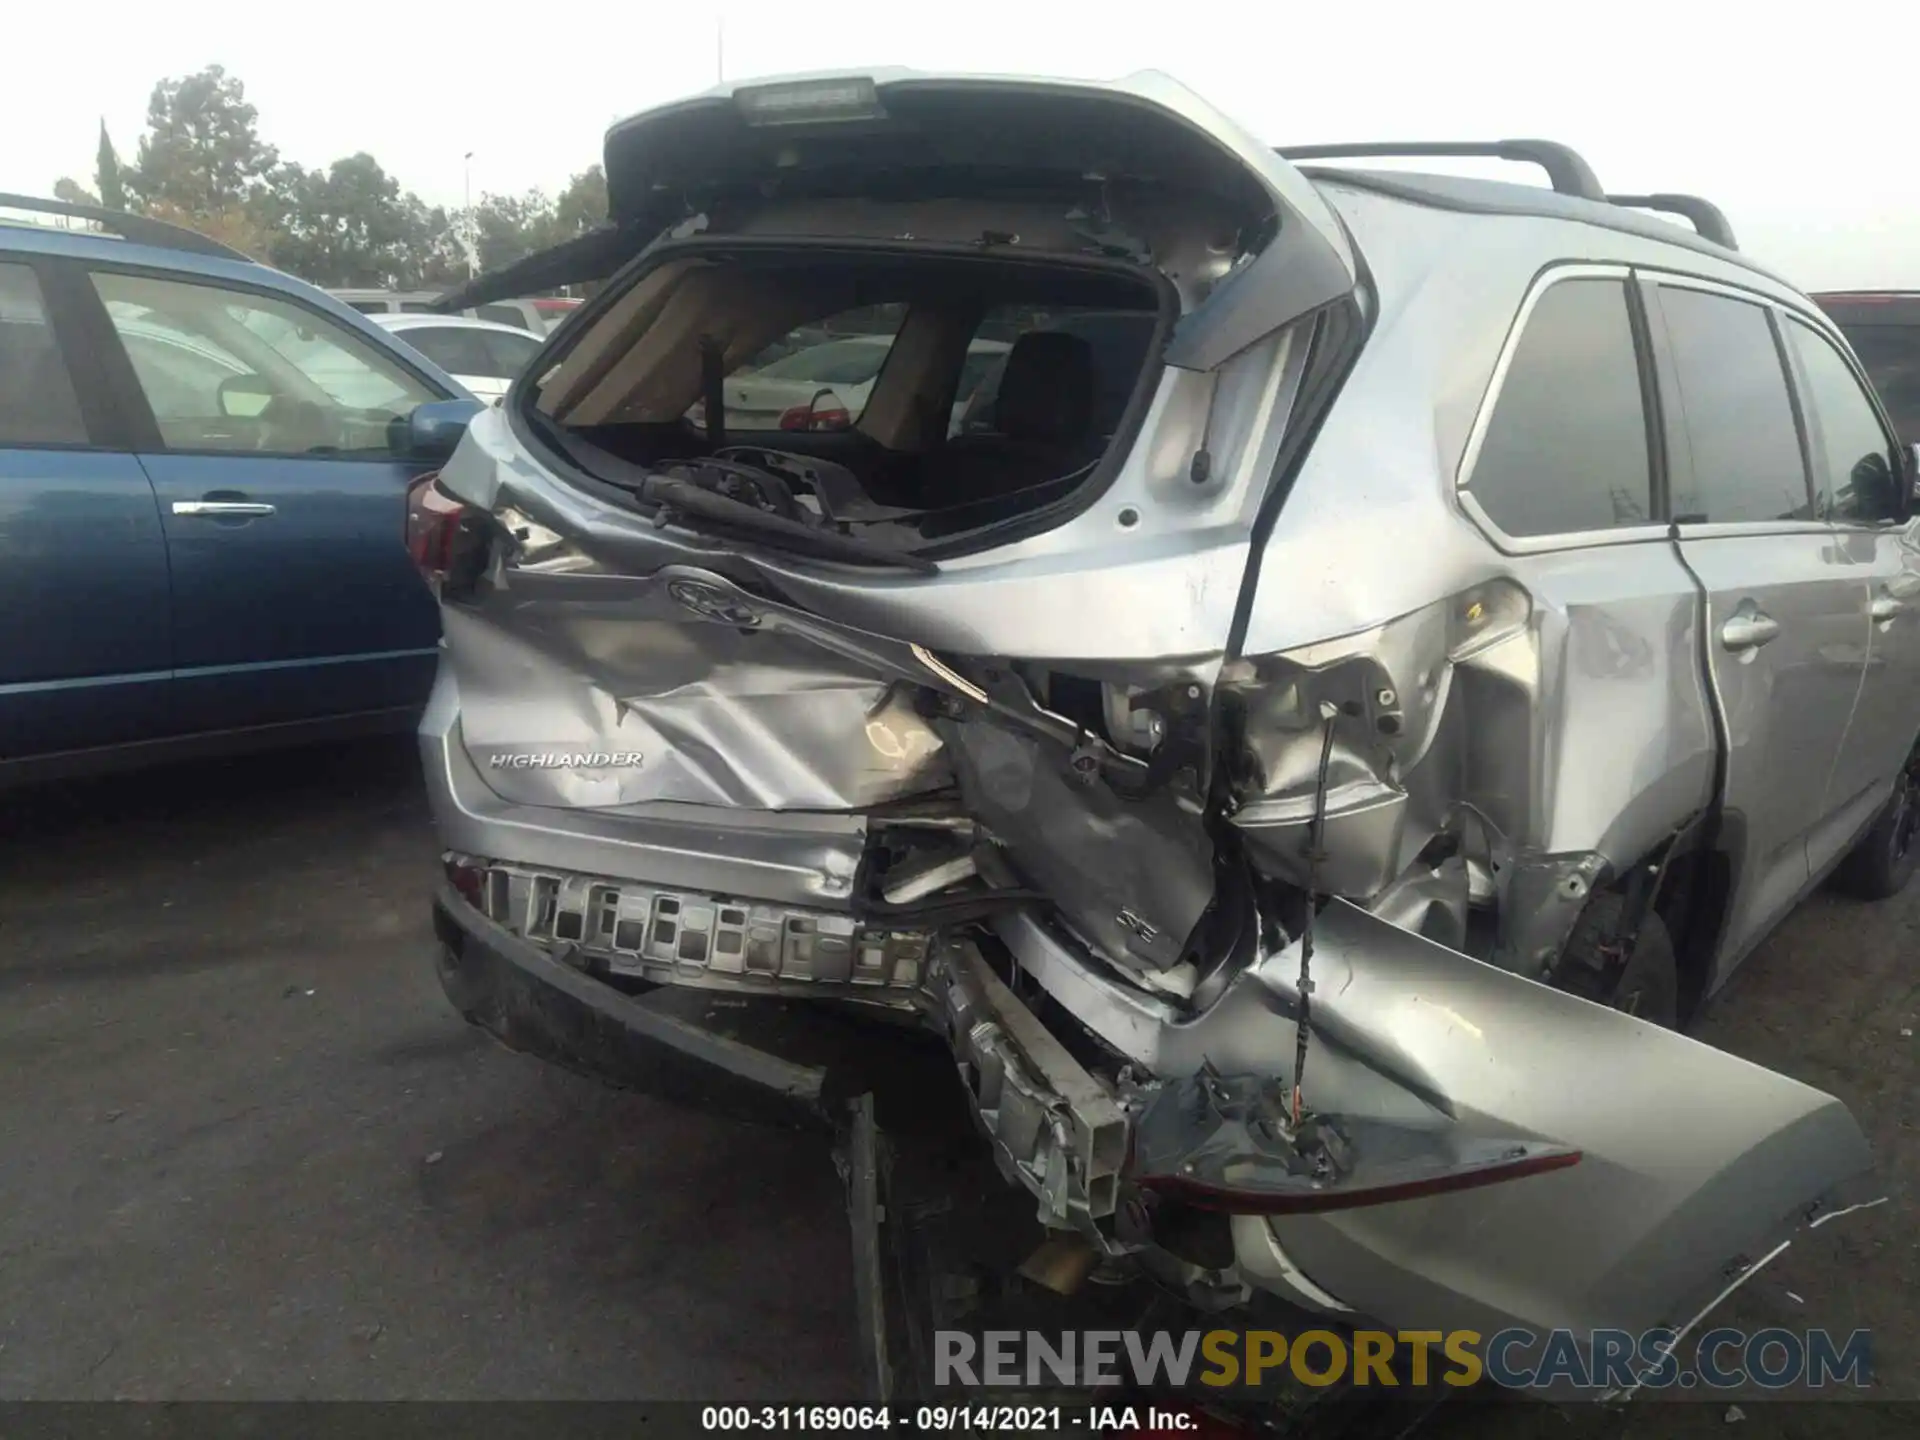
483,356
825,386
537,316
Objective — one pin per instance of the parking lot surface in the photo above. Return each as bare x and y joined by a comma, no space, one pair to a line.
251,1153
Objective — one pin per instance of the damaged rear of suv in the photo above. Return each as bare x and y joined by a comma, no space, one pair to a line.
1262,666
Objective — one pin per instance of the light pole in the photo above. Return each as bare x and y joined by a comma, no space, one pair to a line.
466,214
720,48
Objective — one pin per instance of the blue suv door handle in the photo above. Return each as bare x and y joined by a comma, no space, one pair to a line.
220,509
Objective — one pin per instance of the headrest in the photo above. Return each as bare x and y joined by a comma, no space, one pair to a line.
1046,391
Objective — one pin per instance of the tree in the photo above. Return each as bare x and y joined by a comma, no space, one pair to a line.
73,192
106,173
233,225
202,154
351,225
582,206
507,228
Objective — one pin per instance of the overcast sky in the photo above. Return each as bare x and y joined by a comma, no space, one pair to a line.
1798,121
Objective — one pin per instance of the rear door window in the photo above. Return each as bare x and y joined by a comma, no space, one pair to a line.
38,404
239,370
454,348
1737,419
510,353
1565,449
1844,431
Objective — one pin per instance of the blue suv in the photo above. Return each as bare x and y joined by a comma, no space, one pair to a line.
203,471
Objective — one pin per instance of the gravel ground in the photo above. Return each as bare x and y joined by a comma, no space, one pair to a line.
251,1154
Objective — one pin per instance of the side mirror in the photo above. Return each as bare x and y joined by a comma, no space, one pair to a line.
432,431
244,397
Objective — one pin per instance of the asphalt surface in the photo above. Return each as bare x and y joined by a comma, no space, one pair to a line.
248,1152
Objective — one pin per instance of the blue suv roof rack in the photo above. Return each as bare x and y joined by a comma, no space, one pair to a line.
1569,173
1705,217
140,229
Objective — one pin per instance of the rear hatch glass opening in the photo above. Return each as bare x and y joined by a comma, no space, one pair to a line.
911,399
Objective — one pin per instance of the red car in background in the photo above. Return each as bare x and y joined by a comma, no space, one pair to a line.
1883,326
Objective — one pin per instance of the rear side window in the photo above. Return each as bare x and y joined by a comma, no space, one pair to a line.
1891,356
1737,418
37,401
1843,429
1565,449
511,353
454,348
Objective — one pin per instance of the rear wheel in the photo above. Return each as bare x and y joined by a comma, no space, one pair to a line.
1645,983
1883,860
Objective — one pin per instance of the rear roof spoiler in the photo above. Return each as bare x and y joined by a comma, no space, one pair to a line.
592,256
1569,173
1703,215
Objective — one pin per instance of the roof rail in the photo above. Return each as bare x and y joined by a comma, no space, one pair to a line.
1705,216
140,229
1570,174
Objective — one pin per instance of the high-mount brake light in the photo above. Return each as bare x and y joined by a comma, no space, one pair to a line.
809,102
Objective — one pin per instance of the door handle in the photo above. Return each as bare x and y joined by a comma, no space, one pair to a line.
1748,631
217,508
1885,607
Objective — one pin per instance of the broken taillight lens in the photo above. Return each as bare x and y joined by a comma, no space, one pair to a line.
801,417
468,877
433,527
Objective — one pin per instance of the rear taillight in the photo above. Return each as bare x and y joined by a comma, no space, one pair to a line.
433,526
802,417
468,878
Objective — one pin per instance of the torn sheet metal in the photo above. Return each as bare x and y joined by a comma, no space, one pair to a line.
1688,1156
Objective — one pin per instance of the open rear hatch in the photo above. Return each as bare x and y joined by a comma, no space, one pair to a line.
700,736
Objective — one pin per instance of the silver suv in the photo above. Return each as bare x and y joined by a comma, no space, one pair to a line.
1308,794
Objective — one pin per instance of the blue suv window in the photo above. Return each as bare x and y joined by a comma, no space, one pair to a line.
37,401
233,370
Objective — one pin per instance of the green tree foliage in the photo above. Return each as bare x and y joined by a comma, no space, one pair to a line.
202,152
202,163
582,206
106,173
351,224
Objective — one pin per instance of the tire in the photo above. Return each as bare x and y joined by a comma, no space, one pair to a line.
1647,986
1883,860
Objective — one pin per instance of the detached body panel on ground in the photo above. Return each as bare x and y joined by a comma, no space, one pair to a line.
1306,793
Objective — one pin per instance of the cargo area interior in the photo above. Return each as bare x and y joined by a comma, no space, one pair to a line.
904,397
